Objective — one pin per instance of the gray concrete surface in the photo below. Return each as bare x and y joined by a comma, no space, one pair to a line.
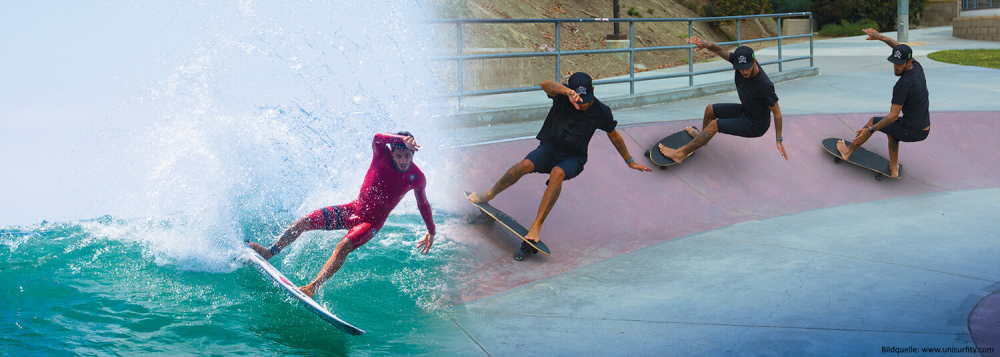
840,281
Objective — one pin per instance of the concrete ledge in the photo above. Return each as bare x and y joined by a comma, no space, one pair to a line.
538,112
984,28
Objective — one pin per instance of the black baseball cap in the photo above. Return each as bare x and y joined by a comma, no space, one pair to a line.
583,85
742,58
901,54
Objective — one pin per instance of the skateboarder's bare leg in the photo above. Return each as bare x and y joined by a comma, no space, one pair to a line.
709,116
510,177
860,138
893,157
548,200
678,155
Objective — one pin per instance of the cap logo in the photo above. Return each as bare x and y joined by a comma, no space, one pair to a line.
742,59
581,90
898,54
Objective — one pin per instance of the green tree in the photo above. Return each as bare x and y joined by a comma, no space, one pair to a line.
737,7
883,12
791,5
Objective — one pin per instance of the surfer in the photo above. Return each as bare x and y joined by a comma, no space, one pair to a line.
390,176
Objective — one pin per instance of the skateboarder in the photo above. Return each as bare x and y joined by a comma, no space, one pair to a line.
563,141
909,95
748,119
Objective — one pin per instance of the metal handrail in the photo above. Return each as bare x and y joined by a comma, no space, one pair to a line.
461,58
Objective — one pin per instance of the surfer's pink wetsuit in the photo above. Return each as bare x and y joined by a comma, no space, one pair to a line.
382,190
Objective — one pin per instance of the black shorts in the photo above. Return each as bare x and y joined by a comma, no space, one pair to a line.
733,120
547,156
900,132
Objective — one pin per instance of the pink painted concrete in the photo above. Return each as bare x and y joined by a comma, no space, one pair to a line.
610,210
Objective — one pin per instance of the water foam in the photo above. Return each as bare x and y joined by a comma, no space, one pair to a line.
272,117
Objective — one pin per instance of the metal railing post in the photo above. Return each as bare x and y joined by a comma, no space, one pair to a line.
812,34
780,62
690,55
739,32
903,20
633,50
461,64
631,59
558,72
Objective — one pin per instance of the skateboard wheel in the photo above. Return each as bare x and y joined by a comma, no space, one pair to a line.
837,160
662,167
879,177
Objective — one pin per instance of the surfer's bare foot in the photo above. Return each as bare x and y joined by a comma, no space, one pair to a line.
845,151
474,198
533,237
264,252
309,289
894,170
672,154
691,131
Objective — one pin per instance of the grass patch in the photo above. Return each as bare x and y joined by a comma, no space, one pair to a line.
846,28
981,58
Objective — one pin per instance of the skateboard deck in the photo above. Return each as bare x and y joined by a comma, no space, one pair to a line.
862,158
514,227
674,141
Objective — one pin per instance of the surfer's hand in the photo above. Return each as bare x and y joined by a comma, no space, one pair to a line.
411,143
425,244
781,150
639,167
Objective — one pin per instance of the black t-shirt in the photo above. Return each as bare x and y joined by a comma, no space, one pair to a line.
756,94
570,130
910,91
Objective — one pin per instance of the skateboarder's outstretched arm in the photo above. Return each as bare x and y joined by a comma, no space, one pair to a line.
619,143
874,35
776,111
711,46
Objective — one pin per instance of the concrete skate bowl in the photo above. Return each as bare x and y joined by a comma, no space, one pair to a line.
609,209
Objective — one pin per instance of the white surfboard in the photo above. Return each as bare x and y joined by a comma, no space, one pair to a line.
294,291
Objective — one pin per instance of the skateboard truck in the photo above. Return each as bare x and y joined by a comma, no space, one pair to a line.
525,250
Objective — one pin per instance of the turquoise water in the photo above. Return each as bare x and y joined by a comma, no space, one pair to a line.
258,113
93,287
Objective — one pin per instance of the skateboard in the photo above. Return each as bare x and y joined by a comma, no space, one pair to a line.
862,158
527,247
674,141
